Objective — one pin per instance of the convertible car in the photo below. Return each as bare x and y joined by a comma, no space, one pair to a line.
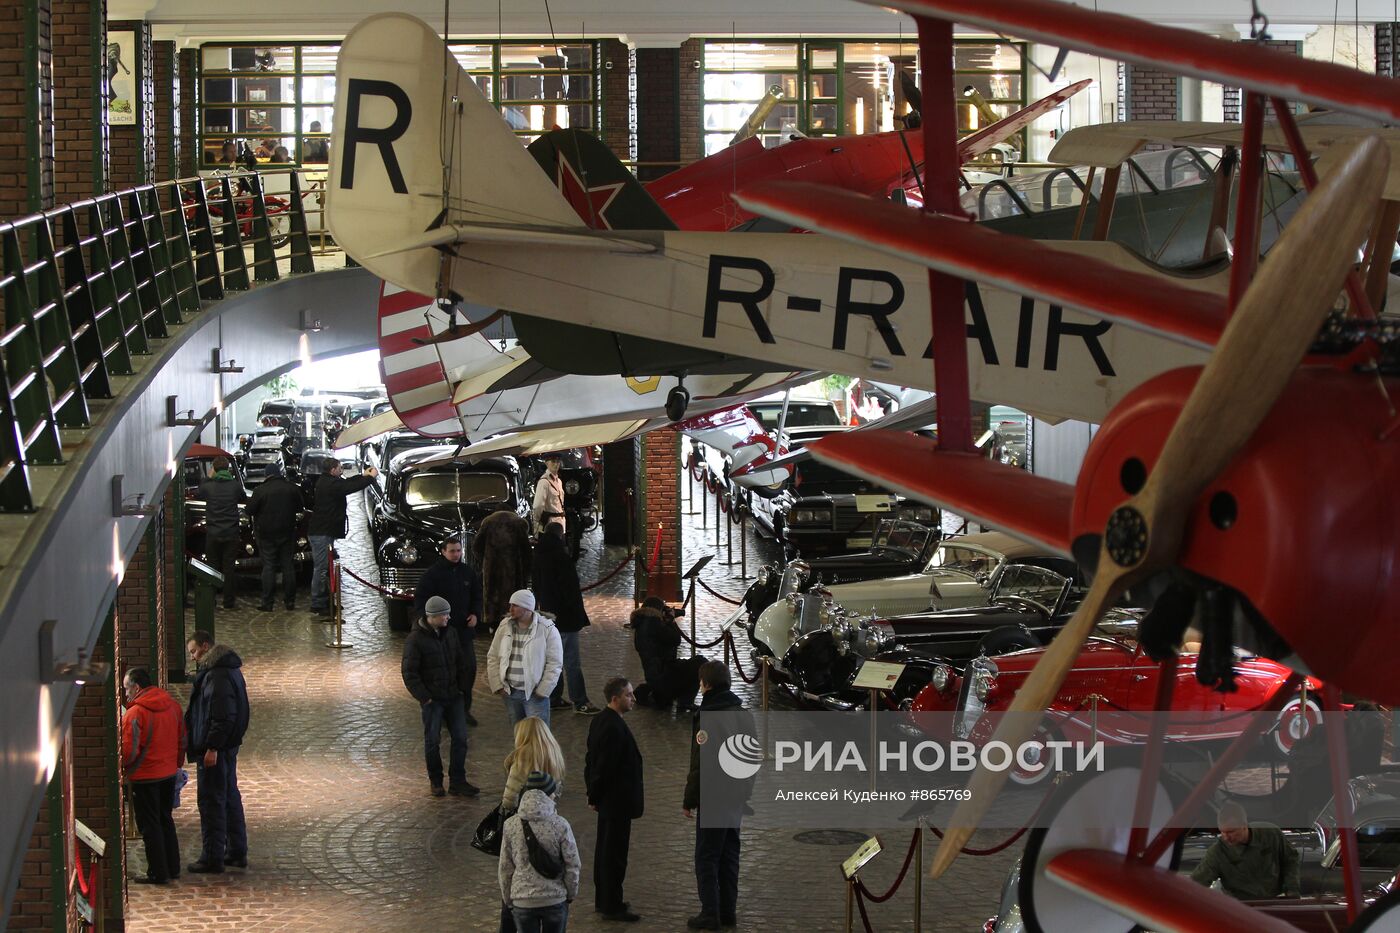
886,581
1025,607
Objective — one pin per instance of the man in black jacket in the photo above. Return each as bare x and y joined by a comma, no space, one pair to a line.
274,508
435,672
555,582
456,581
612,772
216,721
222,493
328,523
717,839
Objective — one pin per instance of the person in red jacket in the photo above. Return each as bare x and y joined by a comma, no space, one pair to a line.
153,751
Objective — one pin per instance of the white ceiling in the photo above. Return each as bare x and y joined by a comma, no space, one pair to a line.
660,22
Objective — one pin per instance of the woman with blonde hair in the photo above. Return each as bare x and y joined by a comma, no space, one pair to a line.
535,750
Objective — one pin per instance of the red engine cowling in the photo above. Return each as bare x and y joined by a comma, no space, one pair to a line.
1305,521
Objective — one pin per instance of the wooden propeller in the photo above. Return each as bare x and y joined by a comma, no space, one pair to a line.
1276,321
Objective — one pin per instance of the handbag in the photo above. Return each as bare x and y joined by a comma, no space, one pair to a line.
546,864
487,837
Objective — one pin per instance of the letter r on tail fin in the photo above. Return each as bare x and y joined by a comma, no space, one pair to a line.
402,126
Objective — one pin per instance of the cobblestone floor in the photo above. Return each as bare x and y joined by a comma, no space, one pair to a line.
344,836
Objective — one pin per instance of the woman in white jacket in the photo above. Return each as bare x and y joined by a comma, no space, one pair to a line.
525,659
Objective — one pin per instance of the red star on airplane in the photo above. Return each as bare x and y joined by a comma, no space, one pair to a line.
590,203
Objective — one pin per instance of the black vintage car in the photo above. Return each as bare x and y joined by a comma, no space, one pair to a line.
380,451
426,498
199,466
1027,606
579,474
823,510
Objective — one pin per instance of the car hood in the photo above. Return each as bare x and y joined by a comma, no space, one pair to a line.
955,590
863,563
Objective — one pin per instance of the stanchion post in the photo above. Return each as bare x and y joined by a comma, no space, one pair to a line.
763,662
691,599
729,534
919,877
704,503
337,618
744,545
874,731
850,904
719,517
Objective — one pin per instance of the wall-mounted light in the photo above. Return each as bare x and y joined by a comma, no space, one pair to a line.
311,321
119,507
81,671
173,416
221,365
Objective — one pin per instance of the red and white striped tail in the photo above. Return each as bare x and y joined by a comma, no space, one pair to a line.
414,373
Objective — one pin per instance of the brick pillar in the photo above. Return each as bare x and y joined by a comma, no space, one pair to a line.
658,110
41,879
165,78
189,148
658,506
133,148
616,130
97,774
26,108
1387,53
1150,94
1232,95
79,95
172,616
692,60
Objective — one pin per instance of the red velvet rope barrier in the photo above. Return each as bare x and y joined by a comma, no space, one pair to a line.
611,573
709,644
374,586
719,596
655,552
1010,840
904,870
732,649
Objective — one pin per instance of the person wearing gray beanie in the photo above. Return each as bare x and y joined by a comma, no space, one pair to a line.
525,659
437,674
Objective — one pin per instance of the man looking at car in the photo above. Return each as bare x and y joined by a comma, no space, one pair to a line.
549,495
1251,861
456,581
274,508
327,524
222,494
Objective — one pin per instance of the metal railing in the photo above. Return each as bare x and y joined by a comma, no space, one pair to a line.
87,287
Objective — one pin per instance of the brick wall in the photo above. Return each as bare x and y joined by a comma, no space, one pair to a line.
165,135
1151,94
96,784
1232,106
616,131
658,488
658,126
80,139
688,100
1386,57
32,908
189,151
26,114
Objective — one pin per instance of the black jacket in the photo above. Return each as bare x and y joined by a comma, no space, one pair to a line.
434,665
714,701
221,500
657,640
612,770
555,582
274,509
217,716
328,508
457,583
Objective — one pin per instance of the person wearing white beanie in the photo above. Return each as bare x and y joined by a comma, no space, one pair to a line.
525,659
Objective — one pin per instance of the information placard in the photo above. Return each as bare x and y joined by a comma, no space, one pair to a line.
877,675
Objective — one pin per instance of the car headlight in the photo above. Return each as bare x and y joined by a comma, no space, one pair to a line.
942,676
917,513
985,679
406,554
572,487
302,542
249,548
810,516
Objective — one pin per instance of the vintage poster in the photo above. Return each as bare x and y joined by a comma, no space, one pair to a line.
122,79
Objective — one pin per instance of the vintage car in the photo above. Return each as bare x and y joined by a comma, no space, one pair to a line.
801,413
823,510
264,446
1111,675
1026,606
579,474
907,570
380,451
199,466
423,501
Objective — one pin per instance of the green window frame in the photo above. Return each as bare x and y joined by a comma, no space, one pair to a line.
274,92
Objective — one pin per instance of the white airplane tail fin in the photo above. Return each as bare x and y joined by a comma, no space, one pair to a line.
408,120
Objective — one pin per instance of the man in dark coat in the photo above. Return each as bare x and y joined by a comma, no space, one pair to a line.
501,549
328,523
555,582
456,581
222,493
274,508
216,721
717,835
612,772
435,673
657,638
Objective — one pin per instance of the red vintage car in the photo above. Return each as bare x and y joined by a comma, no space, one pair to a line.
1113,677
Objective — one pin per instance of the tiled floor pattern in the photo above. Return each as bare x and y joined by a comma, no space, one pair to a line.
344,836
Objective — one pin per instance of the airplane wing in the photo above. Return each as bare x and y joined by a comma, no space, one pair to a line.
1180,51
547,440
361,431
974,144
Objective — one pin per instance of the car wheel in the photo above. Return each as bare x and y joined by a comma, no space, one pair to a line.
1029,777
400,614
1299,717
1006,639
1091,811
